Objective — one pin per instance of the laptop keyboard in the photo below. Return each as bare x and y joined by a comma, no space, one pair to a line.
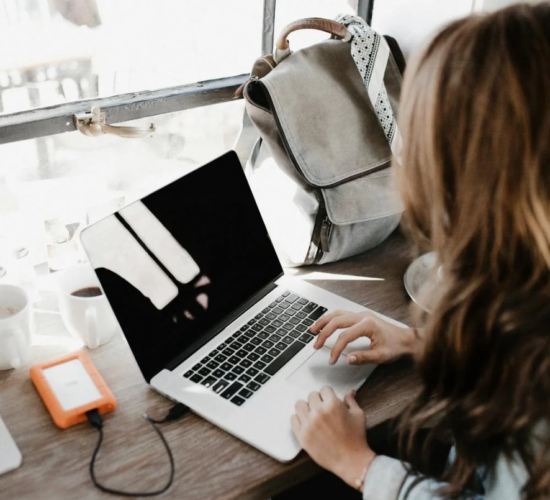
247,360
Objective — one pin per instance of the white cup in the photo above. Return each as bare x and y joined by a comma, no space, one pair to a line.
89,319
15,327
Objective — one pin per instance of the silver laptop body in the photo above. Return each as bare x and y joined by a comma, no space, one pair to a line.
213,322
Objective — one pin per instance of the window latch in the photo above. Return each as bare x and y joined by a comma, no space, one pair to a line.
93,125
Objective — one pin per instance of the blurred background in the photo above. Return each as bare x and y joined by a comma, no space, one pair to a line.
59,51
54,52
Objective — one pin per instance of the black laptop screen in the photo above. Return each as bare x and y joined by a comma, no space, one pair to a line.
181,260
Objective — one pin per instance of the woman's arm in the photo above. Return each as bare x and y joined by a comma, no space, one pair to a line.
333,432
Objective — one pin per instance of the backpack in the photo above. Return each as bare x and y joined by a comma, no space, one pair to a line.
325,187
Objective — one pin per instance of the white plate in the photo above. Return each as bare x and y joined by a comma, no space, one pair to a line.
420,280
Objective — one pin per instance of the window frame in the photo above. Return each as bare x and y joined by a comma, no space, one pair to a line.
57,119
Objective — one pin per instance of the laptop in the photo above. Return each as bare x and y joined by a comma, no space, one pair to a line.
198,290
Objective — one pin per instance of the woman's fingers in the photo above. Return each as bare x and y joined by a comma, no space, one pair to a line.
334,323
314,401
362,329
327,394
350,402
302,410
295,423
322,322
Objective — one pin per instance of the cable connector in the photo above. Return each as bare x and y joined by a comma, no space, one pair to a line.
175,413
95,418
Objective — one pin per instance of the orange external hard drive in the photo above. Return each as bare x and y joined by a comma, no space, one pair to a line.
70,386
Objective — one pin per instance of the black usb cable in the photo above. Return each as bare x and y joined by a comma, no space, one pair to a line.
176,412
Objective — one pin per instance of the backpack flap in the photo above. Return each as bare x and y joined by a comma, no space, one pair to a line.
336,138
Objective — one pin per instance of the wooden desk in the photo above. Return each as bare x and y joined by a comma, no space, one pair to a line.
210,464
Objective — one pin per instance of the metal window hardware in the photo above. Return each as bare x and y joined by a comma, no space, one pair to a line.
61,118
93,125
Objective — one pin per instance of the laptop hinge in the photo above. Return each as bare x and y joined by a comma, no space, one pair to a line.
221,325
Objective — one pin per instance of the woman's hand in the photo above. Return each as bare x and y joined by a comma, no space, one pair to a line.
388,342
334,434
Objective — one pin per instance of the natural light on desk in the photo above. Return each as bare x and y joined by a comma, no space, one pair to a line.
315,275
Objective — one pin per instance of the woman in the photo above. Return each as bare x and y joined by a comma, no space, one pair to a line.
475,180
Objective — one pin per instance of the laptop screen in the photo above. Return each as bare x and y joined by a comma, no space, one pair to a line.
182,259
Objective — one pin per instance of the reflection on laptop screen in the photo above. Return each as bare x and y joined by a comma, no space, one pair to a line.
177,262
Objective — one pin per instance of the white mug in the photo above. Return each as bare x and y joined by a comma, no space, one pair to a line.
15,327
88,318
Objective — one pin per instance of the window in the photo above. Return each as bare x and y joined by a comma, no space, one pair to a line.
172,62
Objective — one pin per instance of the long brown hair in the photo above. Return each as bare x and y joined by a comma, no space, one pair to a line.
475,180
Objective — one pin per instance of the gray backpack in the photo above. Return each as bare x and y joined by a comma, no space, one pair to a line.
330,193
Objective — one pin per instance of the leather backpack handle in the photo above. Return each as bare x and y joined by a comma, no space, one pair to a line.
337,30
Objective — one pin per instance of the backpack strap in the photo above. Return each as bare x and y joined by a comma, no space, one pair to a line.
371,52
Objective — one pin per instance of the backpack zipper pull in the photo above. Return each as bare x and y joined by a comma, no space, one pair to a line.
239,92
326,231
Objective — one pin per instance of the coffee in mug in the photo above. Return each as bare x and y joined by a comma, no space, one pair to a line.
8,311
90,291
85,310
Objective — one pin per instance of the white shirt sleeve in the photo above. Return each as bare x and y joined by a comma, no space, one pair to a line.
388,479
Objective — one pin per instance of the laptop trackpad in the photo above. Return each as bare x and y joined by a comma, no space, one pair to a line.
316,373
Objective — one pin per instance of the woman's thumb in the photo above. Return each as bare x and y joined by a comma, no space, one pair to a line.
362,357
